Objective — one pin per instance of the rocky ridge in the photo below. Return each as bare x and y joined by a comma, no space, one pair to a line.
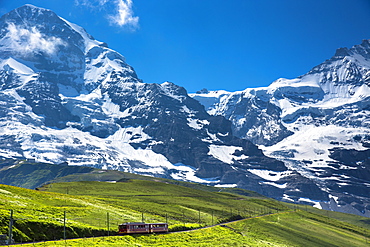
317,124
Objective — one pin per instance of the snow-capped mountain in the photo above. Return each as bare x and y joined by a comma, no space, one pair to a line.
317,124
65,97
68,98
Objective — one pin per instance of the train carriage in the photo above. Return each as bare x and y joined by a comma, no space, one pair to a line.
133,227
140,227
158,227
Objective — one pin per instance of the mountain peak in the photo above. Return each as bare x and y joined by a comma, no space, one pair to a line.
362,49
29,11
343,51
27,5
63,52
30,7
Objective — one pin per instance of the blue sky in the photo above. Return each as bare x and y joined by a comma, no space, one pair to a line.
215,44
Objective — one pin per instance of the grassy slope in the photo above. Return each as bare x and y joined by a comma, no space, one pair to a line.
88,203
177,202
349,218
29,174
282,229
112,175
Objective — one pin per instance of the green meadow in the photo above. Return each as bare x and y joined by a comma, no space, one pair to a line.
91,212
281,229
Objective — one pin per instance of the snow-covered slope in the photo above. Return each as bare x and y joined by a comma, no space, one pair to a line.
310,123
55,93
67,98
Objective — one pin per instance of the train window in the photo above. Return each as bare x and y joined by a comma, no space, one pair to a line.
138,226
158,225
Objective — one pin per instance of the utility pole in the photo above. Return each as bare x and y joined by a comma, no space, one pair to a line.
108,222
10,227
64,228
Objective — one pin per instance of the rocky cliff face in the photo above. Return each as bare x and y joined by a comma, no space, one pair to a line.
317,124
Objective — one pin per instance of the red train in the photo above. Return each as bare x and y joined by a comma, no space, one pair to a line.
140,227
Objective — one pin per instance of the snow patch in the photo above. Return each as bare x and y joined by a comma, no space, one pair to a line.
313,143
89,41
270,175
187,173
280,186
226,185
111,109
224,153
335,198
128,135
18,67
197,123
287,198
315,203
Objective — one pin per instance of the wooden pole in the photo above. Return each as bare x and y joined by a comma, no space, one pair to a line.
64,226
108,222
10,227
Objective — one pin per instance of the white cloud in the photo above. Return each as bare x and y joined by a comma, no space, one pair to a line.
125,15
26,41
91,3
